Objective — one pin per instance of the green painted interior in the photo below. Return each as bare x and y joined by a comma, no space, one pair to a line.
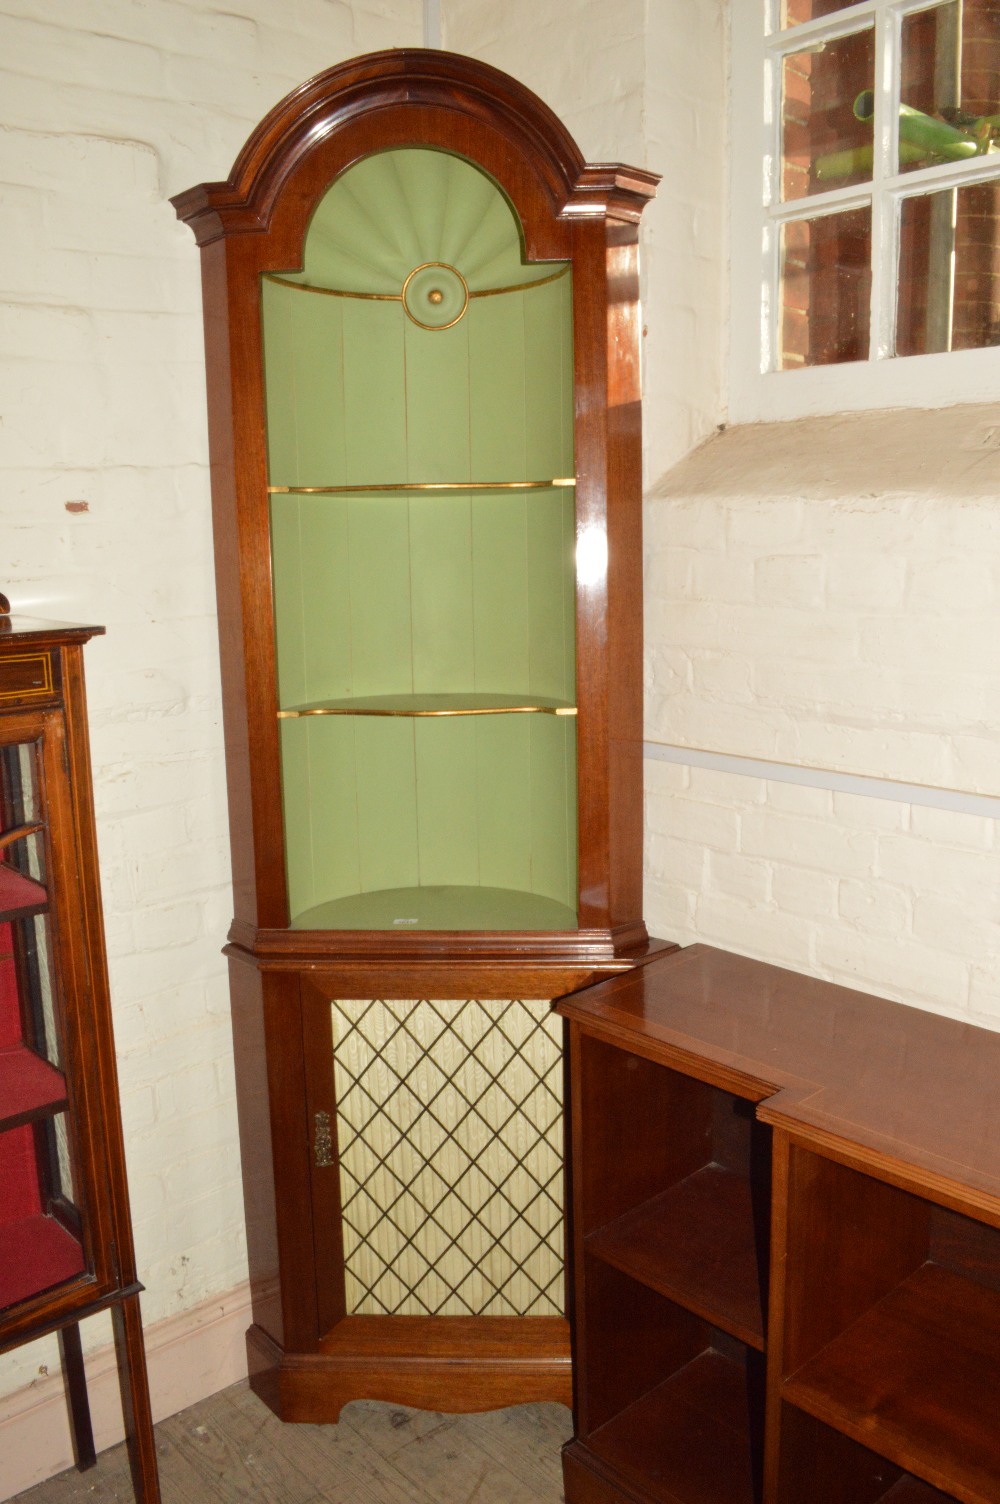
466,593
395,210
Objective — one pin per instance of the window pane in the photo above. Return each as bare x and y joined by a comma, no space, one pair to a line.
825,290
794,12
824,142
949,81
949,271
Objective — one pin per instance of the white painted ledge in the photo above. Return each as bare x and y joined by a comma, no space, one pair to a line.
984,805
189,1357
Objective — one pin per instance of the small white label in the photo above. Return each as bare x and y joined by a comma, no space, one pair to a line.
406,921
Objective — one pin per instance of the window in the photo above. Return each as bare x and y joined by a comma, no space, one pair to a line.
877,126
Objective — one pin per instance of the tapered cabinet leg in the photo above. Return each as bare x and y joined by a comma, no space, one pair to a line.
75,1379
136,1409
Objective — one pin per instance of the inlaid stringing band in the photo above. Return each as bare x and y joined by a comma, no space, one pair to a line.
449,1124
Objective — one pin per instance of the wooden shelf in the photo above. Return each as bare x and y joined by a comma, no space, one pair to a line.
20,896
912,1491
694,1244
406,487
916,1379
439,908
433,705
36,1253
687,1441
30,1087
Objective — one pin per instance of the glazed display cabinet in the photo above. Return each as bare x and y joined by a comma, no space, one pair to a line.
65,1237
422,332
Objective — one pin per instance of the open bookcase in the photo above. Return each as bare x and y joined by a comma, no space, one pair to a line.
786,1253
422,335
65,1239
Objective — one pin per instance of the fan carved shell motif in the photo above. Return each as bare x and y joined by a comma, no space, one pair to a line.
396,211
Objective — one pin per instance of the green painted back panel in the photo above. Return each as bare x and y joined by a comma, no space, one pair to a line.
379,573
498,410
442,612
500,594
447,800
470,801
374,390
503,773
396,593
437,402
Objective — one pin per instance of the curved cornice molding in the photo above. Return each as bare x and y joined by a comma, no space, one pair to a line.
410,78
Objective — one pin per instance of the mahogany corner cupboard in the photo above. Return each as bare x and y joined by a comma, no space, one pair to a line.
422,336
65,1236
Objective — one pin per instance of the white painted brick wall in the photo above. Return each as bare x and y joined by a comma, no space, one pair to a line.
826,593
857,890
105,110
836,597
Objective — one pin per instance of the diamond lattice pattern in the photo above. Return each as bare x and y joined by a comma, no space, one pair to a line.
449,1122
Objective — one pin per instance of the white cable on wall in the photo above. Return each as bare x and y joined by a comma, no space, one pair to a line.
432,23
984,805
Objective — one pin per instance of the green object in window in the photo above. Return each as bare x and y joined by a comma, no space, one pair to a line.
933,137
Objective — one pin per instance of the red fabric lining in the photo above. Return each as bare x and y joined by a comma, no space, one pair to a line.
27,1082
19,1197
18,892
10,1014
35,1254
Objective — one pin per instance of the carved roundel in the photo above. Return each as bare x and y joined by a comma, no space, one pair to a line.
435,295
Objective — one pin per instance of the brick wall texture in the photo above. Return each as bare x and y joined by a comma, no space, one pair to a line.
825,593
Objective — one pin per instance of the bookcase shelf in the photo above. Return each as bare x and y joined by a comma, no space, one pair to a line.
650,1443
910,1364
695,1244
897,1378
737,1131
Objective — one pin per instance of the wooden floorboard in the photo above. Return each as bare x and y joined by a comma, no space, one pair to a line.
230,1449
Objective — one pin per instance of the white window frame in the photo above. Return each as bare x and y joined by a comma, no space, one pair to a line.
885,380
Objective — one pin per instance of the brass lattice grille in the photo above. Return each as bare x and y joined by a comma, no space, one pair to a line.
449,1123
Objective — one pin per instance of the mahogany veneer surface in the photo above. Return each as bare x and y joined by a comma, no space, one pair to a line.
917,1379
878,1074
686,1439
913,1491
695,1244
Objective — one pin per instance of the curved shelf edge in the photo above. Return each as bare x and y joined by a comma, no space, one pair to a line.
391,488
439,908
432,705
